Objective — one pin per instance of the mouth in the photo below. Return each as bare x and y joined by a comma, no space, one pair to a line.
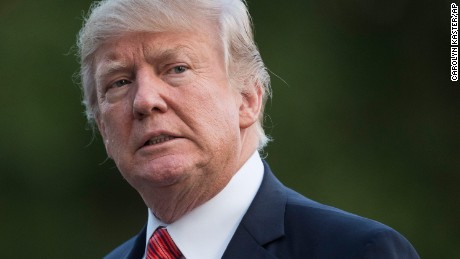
158,140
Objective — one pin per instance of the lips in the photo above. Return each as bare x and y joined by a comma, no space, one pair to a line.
158,140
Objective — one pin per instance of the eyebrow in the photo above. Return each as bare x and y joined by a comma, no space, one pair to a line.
154,55
109,67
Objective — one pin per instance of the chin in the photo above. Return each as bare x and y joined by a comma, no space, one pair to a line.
162,172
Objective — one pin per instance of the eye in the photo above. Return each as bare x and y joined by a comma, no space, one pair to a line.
121,83
178,69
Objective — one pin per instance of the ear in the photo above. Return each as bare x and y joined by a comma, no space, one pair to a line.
251,105
102,130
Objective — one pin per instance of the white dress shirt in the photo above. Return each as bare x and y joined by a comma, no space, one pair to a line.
206,231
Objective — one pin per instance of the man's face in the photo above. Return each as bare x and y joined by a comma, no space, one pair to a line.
167,112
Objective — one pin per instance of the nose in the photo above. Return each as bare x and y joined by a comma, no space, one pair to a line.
149,96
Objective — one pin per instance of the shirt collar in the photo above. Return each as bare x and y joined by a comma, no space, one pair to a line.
206,231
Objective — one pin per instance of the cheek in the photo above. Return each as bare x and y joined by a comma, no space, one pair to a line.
220,114
223,118
116,145
109,140
115,115
116,129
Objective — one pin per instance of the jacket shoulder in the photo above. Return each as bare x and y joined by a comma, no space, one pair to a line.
323,231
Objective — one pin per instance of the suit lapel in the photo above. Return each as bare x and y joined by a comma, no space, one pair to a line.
137,249
262,223
244,245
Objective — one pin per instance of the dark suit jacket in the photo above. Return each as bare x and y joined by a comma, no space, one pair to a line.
281,223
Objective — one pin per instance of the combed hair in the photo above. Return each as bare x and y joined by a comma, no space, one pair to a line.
112,18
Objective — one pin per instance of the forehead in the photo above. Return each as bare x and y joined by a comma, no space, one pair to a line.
149,44
121,51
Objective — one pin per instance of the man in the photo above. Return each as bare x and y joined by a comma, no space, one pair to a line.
177,90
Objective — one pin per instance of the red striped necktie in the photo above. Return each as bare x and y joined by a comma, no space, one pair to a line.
161,246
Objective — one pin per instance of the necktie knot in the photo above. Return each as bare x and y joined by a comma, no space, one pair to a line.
161,246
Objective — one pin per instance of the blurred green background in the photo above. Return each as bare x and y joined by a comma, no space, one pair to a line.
367,121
